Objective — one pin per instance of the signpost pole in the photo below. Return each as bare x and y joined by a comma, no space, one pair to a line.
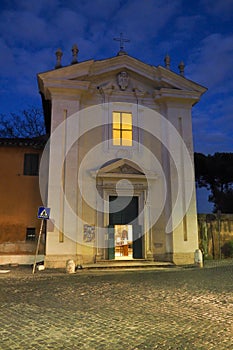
38,245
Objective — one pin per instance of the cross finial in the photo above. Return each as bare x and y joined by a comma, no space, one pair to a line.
122,41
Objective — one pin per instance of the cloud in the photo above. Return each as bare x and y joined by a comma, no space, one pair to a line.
35,7
212,126
218,8
27,29
144,18
90,24
186,24
32,31
209,141
7,59
211,62
98,9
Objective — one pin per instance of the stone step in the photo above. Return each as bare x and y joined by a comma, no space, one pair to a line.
126,264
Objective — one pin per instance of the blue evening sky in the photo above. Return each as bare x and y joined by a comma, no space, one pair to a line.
198,32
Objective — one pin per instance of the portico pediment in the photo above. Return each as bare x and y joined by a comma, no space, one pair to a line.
118,168
122,168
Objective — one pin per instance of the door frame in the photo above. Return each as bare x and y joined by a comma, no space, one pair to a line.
140,193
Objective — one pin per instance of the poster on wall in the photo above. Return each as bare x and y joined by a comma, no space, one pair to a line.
88,233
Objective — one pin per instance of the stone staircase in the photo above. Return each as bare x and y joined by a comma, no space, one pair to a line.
128,264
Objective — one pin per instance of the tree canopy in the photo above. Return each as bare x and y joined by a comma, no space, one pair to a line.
215,172
26,124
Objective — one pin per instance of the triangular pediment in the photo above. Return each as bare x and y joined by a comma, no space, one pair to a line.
119,168
104,73
123,168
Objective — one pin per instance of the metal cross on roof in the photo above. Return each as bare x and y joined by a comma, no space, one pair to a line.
122,41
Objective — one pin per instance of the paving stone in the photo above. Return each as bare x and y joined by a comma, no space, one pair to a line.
176,309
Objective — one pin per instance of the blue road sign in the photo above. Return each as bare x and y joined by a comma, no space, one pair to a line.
43,213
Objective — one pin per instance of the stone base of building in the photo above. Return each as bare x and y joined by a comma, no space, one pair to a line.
176,258
59,261
181,258
150,256
20,259
20,248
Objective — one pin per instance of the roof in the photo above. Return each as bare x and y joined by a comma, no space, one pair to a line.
77,80
84,72
34,142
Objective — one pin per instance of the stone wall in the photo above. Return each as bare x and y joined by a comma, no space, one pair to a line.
214,232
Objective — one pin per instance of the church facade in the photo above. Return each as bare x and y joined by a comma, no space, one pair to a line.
117,171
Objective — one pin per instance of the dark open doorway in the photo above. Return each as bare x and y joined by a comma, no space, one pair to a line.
125,241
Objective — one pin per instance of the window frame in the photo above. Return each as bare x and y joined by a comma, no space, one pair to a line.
31,164
30,234
122,129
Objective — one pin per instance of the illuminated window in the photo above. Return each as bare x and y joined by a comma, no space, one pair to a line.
122,131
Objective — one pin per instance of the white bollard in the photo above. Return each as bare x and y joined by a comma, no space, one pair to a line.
70,266
198,258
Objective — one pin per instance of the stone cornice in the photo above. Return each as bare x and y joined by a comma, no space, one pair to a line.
68,72
78,78
178,81
175,94
57,87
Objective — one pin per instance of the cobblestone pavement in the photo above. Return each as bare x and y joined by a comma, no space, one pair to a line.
171,308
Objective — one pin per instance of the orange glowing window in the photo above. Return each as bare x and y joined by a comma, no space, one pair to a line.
122,131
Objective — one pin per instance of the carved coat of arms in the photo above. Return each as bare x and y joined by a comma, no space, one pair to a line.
123,80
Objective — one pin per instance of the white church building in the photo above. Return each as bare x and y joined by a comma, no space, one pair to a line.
117,171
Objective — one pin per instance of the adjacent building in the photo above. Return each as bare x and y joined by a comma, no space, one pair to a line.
19,200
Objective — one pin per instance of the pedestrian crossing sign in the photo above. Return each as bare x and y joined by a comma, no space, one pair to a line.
43,213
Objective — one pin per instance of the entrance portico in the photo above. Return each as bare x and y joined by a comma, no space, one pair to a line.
124,189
